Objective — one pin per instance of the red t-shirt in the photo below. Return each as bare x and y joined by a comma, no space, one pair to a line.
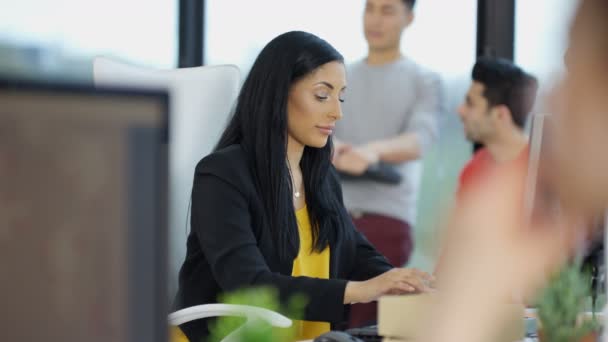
481,165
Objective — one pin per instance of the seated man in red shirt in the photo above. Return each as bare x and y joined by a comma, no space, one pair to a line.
494,114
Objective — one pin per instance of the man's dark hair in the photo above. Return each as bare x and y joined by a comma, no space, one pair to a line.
410,3
506,84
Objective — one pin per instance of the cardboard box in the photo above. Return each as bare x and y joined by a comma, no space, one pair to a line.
401,317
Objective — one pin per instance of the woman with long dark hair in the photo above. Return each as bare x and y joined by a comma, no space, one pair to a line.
267,205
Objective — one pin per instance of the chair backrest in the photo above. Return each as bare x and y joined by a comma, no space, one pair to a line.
201,101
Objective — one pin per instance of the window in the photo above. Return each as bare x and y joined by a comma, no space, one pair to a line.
541,33
60,37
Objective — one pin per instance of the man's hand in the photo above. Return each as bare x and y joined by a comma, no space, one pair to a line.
340,148
356,161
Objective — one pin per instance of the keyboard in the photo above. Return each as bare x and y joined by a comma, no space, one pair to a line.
367,334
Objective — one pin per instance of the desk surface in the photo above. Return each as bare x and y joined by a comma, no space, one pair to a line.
528,313
393,340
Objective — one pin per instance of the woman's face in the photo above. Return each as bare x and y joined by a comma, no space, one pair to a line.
315,104
580,148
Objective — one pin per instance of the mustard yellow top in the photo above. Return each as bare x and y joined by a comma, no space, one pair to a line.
309,264
176,335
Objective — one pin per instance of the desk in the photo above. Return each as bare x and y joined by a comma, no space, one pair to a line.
393,340
526,313
393,309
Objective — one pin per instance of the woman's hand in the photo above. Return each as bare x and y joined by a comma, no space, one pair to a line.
395,281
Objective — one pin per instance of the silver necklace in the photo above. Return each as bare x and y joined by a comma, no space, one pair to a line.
296,193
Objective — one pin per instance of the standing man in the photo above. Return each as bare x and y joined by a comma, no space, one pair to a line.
390,118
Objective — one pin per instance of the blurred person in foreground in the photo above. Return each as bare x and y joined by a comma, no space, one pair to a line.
482,272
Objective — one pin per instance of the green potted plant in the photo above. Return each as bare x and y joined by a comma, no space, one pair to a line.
259,330
560,306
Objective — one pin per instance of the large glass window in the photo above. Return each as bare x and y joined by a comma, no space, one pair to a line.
237,30
60,36
541,33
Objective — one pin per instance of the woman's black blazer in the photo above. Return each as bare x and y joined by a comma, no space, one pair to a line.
230,246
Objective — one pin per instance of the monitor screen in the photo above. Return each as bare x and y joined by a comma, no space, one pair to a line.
82,213
541,201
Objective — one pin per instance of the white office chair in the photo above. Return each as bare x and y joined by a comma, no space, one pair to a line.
253,314
201,101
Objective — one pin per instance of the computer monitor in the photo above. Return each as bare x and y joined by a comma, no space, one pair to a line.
541,201
540,198
83,176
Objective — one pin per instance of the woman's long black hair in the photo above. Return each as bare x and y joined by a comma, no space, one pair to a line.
259,124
